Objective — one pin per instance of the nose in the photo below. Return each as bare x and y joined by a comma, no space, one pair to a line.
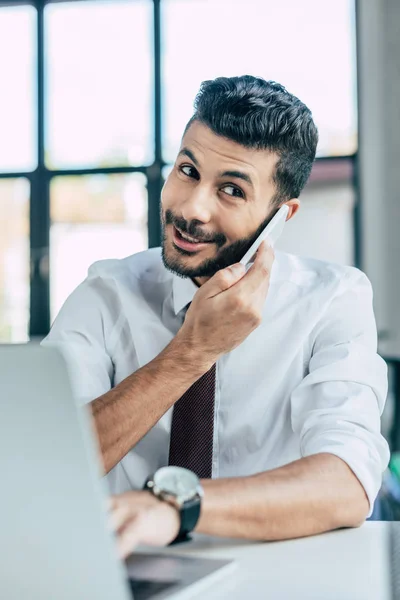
197,205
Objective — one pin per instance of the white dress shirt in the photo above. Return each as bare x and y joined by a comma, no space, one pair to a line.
307,380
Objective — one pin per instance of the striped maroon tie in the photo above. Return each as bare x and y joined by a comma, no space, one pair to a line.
192,430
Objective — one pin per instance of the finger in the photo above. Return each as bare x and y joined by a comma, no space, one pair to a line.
128,540
119,517
223,280
257,277
253,258
265,257
129,498
111,503
127,543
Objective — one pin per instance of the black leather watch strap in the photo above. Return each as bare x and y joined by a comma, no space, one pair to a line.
190,513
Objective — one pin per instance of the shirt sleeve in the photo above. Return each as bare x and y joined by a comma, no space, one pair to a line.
79,332
338,405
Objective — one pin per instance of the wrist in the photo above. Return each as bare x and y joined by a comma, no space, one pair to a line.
170,510
181,489
187,353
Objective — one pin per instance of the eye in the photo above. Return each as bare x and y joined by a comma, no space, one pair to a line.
235,191
189,171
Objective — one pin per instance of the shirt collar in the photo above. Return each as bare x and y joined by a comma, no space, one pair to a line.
184,290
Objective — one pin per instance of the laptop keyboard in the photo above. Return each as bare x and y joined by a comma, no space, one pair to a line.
142,589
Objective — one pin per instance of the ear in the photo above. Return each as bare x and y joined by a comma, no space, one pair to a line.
293,206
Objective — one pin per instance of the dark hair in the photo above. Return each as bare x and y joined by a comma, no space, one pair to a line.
262,115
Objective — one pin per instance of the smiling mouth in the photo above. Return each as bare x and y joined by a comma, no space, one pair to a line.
187,242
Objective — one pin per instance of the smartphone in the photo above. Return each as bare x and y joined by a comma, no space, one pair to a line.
272,231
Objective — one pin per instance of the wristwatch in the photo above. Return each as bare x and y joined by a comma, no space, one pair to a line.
181,488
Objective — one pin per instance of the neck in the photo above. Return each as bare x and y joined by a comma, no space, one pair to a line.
199,281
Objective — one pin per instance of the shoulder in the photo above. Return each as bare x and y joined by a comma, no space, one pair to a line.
99,302
128,286
143,265
108,282
313,273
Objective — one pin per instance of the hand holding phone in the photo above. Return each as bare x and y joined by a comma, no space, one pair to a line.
226,309
271,232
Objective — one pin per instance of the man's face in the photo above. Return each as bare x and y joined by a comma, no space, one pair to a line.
218,194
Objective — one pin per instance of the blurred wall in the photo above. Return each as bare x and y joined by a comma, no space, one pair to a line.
379,160
323,227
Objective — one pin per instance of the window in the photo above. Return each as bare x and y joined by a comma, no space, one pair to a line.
18,89
307,46
14,260
99,79
93,217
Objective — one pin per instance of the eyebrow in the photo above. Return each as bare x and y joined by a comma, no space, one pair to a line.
189,153
236,174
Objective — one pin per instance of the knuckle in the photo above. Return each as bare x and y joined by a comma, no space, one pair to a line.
255,317
256,322
265,270
235,304
240,303
223,276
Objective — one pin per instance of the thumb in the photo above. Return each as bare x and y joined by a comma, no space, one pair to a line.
223,280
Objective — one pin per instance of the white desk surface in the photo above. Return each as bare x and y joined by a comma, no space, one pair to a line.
349,564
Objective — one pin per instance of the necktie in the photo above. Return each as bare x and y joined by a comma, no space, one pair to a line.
192,430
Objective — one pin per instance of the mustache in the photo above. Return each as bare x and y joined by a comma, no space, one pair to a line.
192,228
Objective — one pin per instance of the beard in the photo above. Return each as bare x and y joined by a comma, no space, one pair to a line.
224,257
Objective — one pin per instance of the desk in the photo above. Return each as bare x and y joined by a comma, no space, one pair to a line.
349,564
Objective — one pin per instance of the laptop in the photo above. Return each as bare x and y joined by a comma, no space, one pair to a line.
55,540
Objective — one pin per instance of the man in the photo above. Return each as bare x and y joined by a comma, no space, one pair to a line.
265,384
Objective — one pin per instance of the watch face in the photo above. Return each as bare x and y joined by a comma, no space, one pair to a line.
177,481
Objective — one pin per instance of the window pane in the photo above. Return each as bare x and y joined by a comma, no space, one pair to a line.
14,260
307,46
18,136
93,217
99,81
